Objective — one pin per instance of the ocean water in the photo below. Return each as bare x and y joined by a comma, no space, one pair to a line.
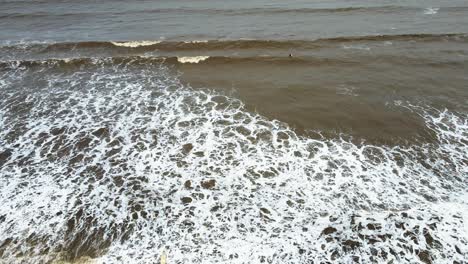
256,132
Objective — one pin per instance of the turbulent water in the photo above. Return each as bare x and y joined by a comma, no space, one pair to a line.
131,134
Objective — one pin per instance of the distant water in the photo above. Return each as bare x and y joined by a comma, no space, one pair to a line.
212,132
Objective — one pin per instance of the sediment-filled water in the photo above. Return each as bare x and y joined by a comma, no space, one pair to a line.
260,132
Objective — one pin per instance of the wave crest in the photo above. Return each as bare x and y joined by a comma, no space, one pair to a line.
195,59
136,44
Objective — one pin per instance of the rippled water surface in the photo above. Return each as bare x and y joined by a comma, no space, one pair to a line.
256,132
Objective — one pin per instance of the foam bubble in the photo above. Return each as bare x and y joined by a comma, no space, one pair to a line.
123,163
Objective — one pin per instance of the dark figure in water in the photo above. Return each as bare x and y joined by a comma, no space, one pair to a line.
290,55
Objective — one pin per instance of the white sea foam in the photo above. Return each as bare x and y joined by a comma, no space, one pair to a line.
195,59
115,161
431,10
136,44
346,90
387,43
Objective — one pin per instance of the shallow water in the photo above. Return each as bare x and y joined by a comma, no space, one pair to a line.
265,132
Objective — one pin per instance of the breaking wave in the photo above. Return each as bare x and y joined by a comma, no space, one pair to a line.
77,62
135,44
195,59
121,162
206,45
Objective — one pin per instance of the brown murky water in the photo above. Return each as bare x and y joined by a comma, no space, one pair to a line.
343,86
208,132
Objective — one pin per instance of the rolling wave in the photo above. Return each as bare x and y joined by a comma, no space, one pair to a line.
213,61
245,11
149,45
